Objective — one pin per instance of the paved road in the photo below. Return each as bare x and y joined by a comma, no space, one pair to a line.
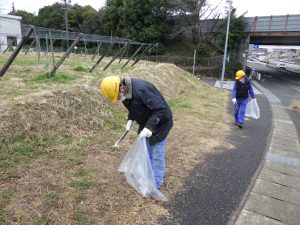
287,89
216,186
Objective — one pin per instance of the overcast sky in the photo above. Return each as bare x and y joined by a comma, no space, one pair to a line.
253,7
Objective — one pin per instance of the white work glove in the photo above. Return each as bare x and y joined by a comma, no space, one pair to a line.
145,133
129,125
234,100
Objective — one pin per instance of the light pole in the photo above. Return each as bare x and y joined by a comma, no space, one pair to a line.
226,43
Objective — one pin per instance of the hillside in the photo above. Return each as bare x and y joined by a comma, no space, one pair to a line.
57,161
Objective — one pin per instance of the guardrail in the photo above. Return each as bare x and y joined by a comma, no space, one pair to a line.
282,69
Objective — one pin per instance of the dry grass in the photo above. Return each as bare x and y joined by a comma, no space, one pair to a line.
295,106
57,162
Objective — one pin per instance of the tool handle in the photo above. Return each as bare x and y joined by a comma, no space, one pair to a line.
121,138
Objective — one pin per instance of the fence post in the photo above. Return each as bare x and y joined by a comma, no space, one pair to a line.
100,59
29,46
97,51
194,61
116,55
37,41
16,52
65,55
51,47
47,49
144,53
156,52
125,50
136,52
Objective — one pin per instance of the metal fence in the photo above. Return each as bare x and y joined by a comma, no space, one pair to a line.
43,33
210,66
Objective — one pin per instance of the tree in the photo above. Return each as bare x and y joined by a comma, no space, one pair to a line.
235,38
203,50
141,20
194,17
52,16
236,34
27,18
84,19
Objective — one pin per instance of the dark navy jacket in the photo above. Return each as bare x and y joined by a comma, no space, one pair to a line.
149,109
242,90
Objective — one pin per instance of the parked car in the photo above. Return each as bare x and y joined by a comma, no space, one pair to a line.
281,66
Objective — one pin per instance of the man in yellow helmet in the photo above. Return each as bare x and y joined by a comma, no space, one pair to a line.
149,109
240,93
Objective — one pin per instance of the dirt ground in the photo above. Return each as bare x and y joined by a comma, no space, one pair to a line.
57,161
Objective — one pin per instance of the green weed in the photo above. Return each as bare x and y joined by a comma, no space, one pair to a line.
40,221
84,142
14,94
179,104
17,150
81,69
115,121
4,218
4,78
50,198
75,161
64,140
57,78
81,218
80,198
171,185
22,61
76,149
80,172
210,105
83,184
5,197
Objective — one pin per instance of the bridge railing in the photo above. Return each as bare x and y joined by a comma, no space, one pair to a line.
282,23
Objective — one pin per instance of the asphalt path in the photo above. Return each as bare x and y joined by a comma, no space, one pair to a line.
216,186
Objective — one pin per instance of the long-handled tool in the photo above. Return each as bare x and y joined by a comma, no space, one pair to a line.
121,138
236,106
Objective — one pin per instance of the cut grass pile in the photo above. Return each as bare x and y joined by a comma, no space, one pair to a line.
57,163
295,106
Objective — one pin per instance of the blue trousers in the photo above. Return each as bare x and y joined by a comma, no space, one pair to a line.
157,158
239,110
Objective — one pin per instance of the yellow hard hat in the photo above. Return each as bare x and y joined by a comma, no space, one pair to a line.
110,87
239,74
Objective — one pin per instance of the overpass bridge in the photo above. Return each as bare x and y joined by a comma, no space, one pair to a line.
273,30
263,30
270,30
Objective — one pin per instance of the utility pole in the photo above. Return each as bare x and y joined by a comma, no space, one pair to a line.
67,4
226,43
13,10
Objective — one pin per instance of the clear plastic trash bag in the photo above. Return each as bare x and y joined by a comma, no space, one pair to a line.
137,169
252,109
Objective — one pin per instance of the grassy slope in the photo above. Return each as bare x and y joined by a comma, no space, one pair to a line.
57,163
